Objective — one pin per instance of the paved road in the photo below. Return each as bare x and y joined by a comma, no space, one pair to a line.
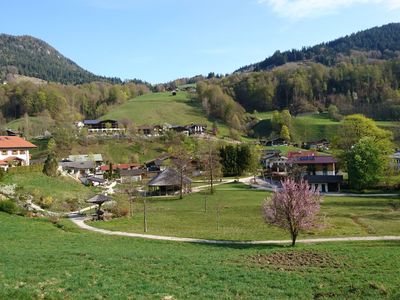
80,222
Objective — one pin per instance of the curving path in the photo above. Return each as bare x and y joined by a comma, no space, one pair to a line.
80,222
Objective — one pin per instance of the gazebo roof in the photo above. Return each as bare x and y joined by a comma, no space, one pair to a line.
168,177
99,199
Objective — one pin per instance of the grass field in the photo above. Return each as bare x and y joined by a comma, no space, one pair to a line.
315,126
42,261
161,108
240,216
59,188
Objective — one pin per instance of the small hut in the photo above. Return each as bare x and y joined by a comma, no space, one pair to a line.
168,182
99,200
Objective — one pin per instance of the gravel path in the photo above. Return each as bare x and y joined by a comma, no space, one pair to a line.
80,222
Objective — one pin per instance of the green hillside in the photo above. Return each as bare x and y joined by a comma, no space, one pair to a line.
314,127
161,108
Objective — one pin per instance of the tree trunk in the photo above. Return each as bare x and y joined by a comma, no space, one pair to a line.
294,237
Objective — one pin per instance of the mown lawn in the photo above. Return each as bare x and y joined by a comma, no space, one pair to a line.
161,108
59,188
39,260
234,213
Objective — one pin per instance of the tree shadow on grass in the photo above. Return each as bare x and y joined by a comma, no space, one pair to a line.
245,246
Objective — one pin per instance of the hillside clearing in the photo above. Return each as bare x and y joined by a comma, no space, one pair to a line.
163,108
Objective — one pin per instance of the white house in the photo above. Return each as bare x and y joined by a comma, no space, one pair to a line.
14,151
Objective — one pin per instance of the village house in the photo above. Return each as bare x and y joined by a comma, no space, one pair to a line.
158,164
274,142
14,151
78,169
132,175
275,165
150,130
320,145
196,128
96,158
101,126
319,170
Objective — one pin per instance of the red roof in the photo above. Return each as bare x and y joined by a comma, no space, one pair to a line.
14,142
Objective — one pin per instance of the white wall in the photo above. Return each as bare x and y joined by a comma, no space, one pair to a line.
5,153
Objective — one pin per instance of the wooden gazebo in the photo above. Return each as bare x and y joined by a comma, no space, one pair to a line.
99,200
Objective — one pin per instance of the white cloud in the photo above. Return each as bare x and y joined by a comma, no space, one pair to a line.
300,9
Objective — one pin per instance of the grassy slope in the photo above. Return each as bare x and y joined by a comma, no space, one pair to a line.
40,261
161,108
18,123
240,216
314,126
60,188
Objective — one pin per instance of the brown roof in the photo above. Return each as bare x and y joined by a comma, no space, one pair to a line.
169,177
14,142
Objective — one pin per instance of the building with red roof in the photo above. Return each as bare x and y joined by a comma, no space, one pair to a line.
14,151
319,170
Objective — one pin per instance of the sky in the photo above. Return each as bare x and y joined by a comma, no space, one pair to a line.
162,40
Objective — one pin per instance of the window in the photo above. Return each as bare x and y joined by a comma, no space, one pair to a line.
21,151
4,152
15,152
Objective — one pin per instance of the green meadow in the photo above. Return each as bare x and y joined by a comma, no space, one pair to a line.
42,260
161,108
234,213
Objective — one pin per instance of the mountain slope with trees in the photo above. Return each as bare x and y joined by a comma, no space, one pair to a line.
29,56
375,43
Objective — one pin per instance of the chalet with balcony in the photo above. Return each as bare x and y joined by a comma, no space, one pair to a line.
102,126
14,151
319,170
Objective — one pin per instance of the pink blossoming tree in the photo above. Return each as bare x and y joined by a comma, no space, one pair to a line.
293,208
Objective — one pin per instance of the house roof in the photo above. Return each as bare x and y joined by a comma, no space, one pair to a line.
168,177
96,179
85,157
91,122
14,142
95,122
78,165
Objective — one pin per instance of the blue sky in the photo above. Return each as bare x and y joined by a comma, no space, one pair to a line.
161,40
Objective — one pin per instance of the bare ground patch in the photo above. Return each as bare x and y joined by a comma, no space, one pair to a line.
295,259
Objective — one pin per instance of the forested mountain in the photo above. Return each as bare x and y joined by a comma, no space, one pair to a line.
375,43
33,57
359,73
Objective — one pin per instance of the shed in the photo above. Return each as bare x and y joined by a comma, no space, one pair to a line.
169,182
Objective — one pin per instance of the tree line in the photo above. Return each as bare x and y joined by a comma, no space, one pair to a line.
371,88
64,102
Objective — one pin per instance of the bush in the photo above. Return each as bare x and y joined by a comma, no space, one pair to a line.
8,206
46,202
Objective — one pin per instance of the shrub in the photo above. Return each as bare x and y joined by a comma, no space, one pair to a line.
8,206
46,202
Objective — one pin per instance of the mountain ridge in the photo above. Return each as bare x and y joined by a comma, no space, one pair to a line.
380,42
29,56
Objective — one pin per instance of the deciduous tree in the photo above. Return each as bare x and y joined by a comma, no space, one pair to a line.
294,208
